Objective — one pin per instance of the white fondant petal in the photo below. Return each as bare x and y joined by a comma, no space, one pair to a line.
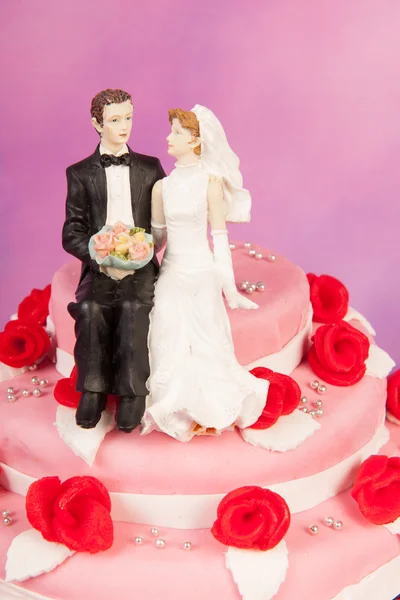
354,315
7,372
50,327
83,442
29,555
288,432
258,574
379,363
392,418
394,527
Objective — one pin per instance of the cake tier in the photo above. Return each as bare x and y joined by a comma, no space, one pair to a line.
283,307
156,479
359,562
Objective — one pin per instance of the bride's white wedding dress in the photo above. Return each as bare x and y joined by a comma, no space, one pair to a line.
195,380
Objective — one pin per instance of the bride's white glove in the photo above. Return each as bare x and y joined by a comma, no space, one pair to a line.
223,262
159,233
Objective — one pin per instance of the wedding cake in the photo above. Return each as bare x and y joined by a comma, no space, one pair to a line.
304,504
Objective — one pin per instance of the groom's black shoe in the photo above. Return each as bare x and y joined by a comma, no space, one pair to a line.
91,405
130,412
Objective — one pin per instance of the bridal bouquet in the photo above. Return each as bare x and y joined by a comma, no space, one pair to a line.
122,247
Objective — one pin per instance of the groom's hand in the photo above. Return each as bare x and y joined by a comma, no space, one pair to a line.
115,273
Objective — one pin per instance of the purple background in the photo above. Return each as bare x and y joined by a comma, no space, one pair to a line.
308,92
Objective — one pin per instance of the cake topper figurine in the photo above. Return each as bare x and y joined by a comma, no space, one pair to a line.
111,187
196,384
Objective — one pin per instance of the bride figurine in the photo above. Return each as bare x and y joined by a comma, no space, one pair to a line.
196,385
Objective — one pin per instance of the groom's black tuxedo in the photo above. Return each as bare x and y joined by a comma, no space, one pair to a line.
111,317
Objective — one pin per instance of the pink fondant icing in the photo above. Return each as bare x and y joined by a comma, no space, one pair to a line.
319,566
282,314
158,464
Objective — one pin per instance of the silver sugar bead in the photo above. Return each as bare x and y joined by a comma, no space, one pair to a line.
10,398
318,403
36,391
187,545
337,524
247,245
303,400
304,409
154,531
25,393
313,529
35,380
328,521
43,382
319,412
252,252
314,384
232,246
138,540
33,367
260,286
271,257
160,543
321,389
5,513
250,289
312,413
7,521
11,390
258,255
243,285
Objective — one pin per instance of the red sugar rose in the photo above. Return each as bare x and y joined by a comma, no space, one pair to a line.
251,517
65,390
377,489
35,307
283,397
329,298
393,394
75,513
22,343
339,353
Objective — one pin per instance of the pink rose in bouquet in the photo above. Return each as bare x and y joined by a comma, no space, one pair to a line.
139,251
119,228
103,244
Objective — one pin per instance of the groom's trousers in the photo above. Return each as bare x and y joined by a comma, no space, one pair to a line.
111,329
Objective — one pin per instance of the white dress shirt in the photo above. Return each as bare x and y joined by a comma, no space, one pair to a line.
119,204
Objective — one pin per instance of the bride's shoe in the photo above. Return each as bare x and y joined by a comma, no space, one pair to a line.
200,430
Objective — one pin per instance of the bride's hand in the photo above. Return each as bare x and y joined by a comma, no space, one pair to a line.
240,301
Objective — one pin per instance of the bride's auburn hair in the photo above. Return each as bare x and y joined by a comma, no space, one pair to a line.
188,120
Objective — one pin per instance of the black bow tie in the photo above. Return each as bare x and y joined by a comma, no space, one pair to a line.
107,160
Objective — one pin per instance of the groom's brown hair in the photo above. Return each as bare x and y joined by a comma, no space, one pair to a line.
104,98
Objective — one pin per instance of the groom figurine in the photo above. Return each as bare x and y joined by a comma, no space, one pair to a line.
112,306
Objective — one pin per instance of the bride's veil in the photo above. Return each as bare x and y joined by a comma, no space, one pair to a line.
219,159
